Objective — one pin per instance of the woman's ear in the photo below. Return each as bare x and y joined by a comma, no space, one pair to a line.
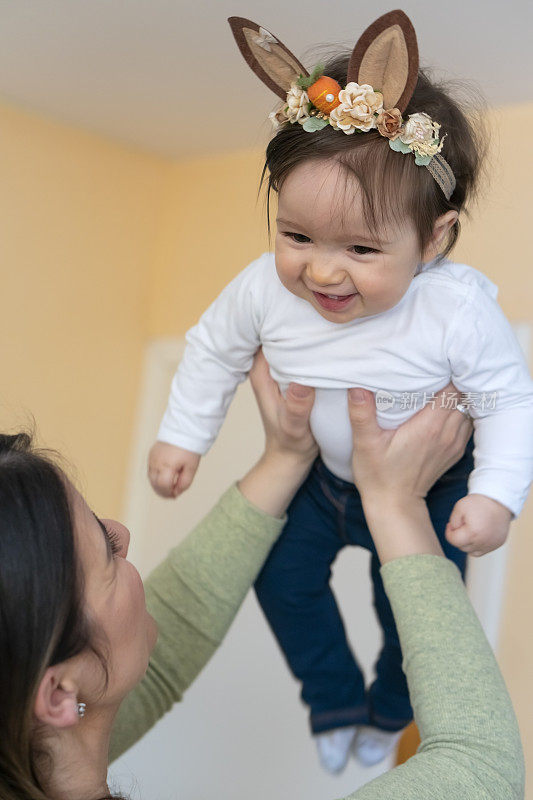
56,703
440,229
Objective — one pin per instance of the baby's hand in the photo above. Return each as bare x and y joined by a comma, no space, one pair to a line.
171,469
478,524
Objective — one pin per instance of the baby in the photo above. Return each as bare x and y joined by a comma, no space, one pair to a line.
359,293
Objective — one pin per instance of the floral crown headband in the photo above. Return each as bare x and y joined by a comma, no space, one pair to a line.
385,56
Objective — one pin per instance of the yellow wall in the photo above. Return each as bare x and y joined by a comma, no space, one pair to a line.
103,247
213,226
499,242
78,221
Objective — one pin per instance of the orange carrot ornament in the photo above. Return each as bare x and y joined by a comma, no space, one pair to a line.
324,94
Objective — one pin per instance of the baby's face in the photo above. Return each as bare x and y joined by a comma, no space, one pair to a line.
326,254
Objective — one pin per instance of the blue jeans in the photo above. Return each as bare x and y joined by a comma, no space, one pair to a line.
294,592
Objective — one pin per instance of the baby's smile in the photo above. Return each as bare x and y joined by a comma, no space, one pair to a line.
334,302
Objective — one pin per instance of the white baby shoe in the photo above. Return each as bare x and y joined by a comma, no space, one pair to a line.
334,748
372,745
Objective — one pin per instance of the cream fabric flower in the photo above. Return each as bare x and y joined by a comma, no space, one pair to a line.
341,120
427,148
419,128
277,118
358,103
298,104
421,134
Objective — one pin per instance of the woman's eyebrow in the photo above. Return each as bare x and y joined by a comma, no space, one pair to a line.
106,537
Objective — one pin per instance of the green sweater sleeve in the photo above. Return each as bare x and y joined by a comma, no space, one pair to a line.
194,595
470,748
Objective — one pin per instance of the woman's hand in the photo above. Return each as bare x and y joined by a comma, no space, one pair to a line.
289,447
285,419
394,469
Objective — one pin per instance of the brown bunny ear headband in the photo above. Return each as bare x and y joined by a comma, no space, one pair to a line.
385,56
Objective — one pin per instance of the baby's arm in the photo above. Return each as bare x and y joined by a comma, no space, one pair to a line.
218,356
488,367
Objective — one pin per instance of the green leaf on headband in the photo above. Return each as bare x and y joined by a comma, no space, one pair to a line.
399,146
314,124
422,161
305,81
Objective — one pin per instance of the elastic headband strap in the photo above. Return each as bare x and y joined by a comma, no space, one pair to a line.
442,172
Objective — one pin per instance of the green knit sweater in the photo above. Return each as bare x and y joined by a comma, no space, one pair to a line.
470,747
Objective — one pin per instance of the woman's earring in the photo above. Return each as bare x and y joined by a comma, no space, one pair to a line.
82,707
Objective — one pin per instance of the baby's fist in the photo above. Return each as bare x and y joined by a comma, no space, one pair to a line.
478,524
171,469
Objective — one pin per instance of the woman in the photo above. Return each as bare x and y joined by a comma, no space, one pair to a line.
76,636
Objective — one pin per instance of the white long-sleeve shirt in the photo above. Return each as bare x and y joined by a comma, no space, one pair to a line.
448,325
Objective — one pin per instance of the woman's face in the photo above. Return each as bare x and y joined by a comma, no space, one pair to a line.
115,603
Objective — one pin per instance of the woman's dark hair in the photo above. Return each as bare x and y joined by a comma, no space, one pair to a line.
42,619
393,186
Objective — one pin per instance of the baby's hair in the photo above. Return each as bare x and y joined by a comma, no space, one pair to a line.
393,187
